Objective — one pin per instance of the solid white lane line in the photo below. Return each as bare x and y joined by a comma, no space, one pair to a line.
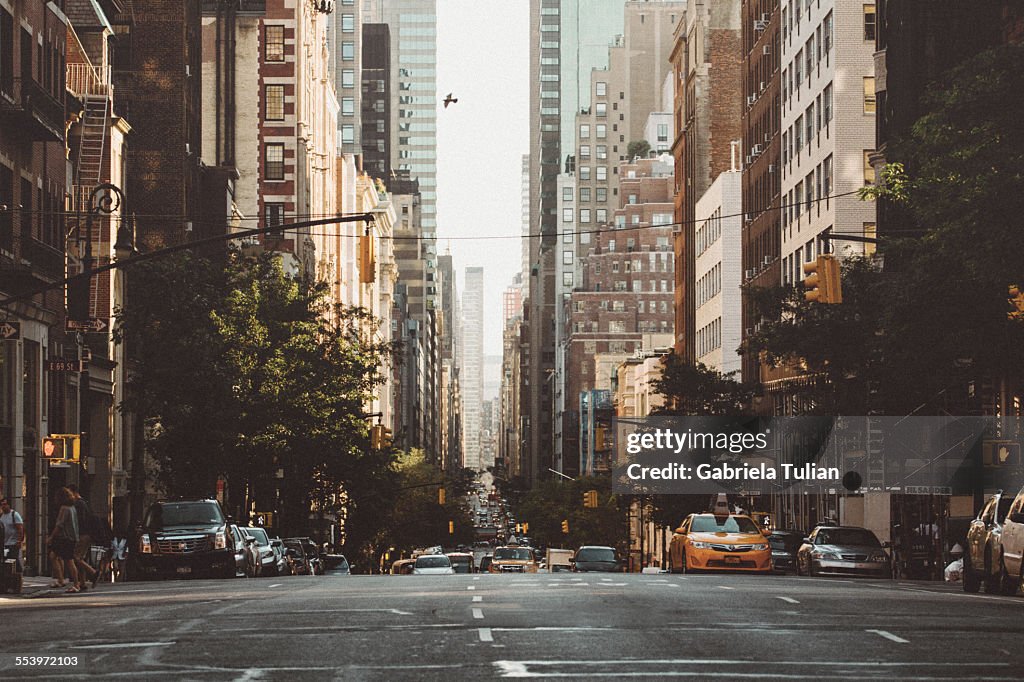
478,598
723,587
788,599
485,634
478,614
123,645
275,585
888,635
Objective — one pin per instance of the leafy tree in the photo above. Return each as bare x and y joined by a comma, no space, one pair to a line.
552,501
638,149
698,390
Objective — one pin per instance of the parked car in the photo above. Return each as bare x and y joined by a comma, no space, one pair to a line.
593,558
267,565
729,542
984,541
784,544
297,556
843,550
182,538
1011,547
247,556
336,564
312,553
462,562
403,567
284,565
433,564
485,563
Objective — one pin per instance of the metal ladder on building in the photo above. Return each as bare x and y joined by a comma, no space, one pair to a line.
94,140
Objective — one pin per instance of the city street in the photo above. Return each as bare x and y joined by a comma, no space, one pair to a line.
491,626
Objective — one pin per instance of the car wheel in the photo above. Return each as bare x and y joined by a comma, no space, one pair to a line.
990,577
1007,585
810,568
797,564
972,582
682,560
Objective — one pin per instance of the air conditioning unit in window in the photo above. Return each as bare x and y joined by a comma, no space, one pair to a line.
760,25
771,168
766,50
767,137
749,160
766,17
767,260
762,86
756,151
751,99
749,331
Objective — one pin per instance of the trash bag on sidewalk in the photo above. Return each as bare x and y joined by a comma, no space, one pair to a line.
954,571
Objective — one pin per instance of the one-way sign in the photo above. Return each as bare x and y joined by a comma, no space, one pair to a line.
10,330
93,324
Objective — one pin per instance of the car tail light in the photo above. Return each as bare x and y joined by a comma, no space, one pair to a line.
145,546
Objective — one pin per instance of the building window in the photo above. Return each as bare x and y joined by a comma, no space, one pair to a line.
601,109
602,172
809,122
797,66
797,204
273,161
828,103
602,216
567,236
827,171
584,131
662,132
602,194
348,23
584,194
273,215
869,170
567,258
584,151
584,172
273,107
567,194
798,133
869,23
601,89
348,133
567,214
585,215
348,106
567,280
348,78
273,49
827,34
348,50
602,131
602,151
869,94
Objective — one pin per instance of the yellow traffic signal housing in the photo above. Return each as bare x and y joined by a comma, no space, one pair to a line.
440,496
590,499
565,526
63,447
385,438
376,433
526,527
451,528
367,259
823,282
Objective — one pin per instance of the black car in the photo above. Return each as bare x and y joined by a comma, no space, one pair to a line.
784,544
312,555
593,558
182,538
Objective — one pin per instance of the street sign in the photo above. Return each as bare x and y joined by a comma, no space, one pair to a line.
53,448
93,324
67,365
10,330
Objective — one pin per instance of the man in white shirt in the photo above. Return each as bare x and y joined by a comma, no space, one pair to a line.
14,529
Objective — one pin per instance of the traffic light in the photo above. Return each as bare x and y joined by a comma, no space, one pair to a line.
440,496
376,433
63,447
385,438
1001,453
565,526
367,259
451,528
53,448
526,527
822,282
590,499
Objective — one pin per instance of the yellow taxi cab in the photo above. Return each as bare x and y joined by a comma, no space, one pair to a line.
513,559
720,542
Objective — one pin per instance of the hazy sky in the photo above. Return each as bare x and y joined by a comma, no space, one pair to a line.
483,59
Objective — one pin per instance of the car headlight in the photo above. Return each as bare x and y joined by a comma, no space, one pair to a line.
760,547
220,540
879,557
821,554
145,546
700,545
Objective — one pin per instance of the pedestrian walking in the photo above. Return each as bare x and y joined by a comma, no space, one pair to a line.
13,528
86,531
118,552
103,538
62,540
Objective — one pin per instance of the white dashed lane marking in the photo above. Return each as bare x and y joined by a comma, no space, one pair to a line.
889,636
478,598
485,635
478,614
788,599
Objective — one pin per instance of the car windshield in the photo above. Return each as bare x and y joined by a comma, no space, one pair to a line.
846,536
433,562
709,523
261,536
517,553
596,554
184,514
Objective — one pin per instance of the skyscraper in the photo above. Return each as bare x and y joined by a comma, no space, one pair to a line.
471,376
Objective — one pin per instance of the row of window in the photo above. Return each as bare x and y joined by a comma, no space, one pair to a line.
709,285
601,194
817,47
601,215
814,188
709,231
817,116
709,337
792,265
601,131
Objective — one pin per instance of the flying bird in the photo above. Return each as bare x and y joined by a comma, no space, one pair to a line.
450,100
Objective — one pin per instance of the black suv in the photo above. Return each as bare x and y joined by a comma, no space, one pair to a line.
184,538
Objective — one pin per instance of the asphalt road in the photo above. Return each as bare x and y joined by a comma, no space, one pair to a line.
478,627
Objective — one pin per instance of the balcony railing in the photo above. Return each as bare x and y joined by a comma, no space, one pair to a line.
33,111
85,80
